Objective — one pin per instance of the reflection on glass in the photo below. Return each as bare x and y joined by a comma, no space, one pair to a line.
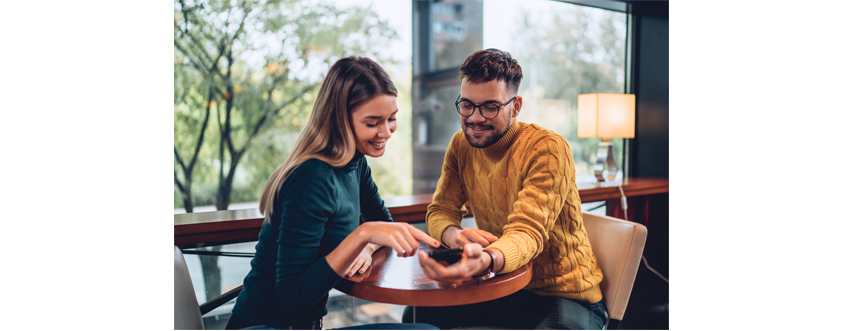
454,29
443,120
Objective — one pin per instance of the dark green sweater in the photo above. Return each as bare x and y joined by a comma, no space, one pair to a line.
315,209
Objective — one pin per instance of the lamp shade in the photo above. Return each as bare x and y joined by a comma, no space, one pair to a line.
606,115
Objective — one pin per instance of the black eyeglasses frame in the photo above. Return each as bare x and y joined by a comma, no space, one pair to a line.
498,110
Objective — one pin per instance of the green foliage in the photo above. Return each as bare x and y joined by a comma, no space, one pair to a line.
259,65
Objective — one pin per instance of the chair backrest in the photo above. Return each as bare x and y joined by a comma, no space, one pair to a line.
618,246
186,308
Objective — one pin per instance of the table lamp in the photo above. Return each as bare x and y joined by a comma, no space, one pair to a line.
606,115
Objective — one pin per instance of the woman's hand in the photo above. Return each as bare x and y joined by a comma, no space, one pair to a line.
401,237
363,261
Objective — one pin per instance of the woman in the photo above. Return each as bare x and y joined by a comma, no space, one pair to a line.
314,201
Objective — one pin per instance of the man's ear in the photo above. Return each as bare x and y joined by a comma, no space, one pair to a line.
517,106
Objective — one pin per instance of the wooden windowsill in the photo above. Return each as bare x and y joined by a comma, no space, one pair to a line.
240,225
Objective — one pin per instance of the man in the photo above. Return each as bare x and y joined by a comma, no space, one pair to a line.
519,181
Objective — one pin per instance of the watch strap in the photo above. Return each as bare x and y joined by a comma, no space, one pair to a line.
489,272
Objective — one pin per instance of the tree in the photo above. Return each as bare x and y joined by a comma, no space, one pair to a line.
185,94
271,56
256,65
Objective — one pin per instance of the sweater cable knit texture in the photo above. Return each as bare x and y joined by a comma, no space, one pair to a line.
522,190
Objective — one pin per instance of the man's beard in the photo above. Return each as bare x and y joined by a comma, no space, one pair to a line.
482,142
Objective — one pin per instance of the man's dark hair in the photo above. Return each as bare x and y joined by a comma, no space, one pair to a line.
492,64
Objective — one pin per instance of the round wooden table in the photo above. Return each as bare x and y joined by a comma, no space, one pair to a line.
401,281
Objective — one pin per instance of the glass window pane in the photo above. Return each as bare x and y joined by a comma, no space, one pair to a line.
456,27
564,50
250,110
214,275
435,122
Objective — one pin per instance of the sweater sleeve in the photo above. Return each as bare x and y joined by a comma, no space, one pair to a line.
446,207
303,278
538,203
371,205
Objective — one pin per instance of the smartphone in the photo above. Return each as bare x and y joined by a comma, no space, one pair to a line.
450,256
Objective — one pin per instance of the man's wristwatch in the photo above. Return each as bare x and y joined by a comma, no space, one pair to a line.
489,272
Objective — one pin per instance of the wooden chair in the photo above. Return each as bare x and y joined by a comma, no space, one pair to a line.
618,246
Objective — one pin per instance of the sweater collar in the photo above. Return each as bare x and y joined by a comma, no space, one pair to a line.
501,146
353,164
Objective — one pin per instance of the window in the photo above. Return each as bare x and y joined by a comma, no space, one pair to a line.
245,79
246,76
268,88
564,50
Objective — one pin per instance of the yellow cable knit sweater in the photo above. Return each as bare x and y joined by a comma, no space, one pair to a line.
522,189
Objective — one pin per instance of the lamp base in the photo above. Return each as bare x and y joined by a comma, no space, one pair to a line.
605,162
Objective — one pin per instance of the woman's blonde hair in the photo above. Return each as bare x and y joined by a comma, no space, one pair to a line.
328,135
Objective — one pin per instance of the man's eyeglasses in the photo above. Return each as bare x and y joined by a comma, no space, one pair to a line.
488,110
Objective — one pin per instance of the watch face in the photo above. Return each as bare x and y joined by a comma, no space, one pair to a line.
484,276
489,271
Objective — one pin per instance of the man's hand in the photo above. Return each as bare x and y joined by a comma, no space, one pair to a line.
455,237
473,262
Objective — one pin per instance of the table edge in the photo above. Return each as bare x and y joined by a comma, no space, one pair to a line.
472,293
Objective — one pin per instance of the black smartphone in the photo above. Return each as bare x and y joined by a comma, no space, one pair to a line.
450,256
